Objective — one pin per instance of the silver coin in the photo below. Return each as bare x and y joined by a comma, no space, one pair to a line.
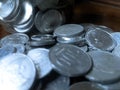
69,60
99,39
105,67
47,4
85,86
60,83
17,71
7,7
116,37
50,20
41,60
68,30
15,38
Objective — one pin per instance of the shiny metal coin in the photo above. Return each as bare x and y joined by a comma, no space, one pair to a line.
17,71
99,39
47,4
85,86
60,83
69,60
15,38
50,20
105,67
116,37
68,30
41,60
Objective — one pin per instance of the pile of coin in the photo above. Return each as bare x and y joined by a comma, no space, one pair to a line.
59,56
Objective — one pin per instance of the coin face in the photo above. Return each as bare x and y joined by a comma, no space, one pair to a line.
105,67
85,86
69,60
68,30
99,39
17,71
41,60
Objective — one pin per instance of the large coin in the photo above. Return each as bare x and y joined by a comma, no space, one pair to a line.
105,67
69,60
41,60
68,30
99,39
17,71
85,86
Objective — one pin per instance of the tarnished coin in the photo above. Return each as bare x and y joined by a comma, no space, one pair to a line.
69,60
15,38
105,67
86,86
68,30
50,20
99,39
41,60
17,71
116,37
60,83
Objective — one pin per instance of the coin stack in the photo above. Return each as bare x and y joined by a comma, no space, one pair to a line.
60,56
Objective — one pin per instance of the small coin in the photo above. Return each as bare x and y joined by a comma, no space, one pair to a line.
105,67
59,83
41,60
99,39
68,30
69,60
17,71
15,38
85,86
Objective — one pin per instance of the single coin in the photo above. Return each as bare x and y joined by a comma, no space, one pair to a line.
41,60
69,60
85,86
105,67
15,38
99,39
17,71
68,30
60,83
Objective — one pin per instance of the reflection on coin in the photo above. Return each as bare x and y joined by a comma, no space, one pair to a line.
99,39
16,38
41,61
68,30
116,37
105,67
85,86
17,71
69,60
60,83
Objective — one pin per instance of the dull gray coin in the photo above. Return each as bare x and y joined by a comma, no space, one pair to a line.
99,39
105,67
68,30
41,60
17,71
69,60
85,86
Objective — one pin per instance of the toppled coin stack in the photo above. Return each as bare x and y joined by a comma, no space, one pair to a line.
58,57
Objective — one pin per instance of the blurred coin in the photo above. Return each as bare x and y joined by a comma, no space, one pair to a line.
60,83
105,67
50,20
68,30
69,60
41,61
17,71
99,39
116,37
47,4
85,86
15,38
